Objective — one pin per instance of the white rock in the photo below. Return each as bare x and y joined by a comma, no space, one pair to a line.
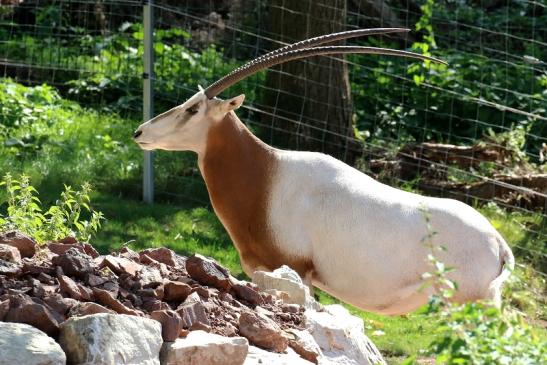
202,348
286,280
341,337
111,339
257,356
27,345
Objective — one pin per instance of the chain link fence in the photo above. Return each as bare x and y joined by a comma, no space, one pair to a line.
474,131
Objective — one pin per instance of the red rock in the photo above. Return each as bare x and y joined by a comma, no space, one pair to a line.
208,272
70,287
149,277
84,309
129,254
198,326
45,278
248,294
150,262
112,286
90,250
229,330
161,254
150,304
304,345
59,304
74,263
202,292
68,240
105,298
175,291
262,331
61,248
192,313
37,288
24,310
25,244
4,308
120,265
9,253
95,280
34,268
291,308
171,323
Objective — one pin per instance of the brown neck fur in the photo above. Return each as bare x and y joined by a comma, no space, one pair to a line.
238,169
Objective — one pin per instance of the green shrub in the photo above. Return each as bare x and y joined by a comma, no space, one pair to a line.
65,218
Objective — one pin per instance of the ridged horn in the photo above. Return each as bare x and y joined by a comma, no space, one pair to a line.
278,58
327,38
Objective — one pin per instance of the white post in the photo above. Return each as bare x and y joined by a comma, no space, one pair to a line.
148,96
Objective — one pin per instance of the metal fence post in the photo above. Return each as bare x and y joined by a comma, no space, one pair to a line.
148,96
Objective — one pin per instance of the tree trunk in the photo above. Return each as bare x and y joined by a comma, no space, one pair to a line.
308,103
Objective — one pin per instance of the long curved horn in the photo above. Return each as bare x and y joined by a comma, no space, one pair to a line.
262,63
327,38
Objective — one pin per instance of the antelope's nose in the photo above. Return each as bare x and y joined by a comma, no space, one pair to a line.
137,134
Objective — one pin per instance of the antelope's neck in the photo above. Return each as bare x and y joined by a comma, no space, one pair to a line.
238,169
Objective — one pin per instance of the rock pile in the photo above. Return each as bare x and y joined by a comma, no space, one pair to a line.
155,306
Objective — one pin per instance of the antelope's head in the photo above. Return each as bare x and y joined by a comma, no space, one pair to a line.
185,127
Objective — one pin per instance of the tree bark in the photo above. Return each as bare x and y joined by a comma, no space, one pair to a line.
308,103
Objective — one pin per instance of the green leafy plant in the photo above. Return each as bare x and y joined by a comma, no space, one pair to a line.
475,333
25,213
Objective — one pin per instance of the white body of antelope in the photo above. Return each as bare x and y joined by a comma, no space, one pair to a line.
358,239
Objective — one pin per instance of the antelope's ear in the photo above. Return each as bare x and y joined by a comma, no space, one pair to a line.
233,103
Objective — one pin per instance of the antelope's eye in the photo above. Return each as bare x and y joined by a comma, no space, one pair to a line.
192,110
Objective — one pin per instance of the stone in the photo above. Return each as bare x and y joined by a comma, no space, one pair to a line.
25,310
62,248
248,294
257,356
291,308
129,254
175,291
25,244
286,280
150,277
262,331
84,309
9,268
202,348
9,253
171,323
24,344
95,280
161,254
208,272
70,287
341,336
90,250
104,297
4,309
74,263
120,265
68,240
111,339
193,312
303,343
59,304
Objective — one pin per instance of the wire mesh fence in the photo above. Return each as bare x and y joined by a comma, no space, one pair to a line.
474,131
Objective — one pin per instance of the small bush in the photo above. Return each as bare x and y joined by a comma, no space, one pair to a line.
24,212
